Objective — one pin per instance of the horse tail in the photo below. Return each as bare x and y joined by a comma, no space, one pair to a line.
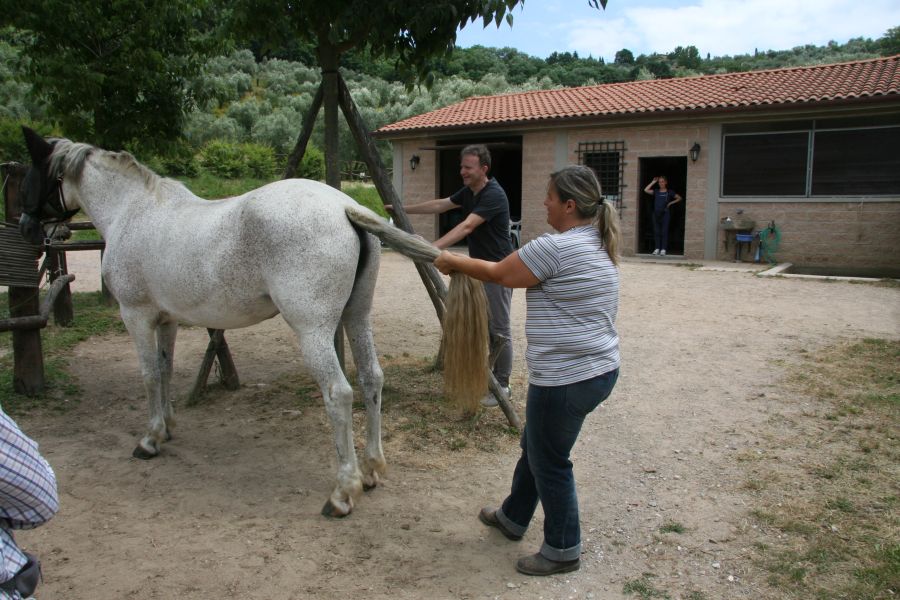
465,320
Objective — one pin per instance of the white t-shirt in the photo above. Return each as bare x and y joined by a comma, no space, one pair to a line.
570,322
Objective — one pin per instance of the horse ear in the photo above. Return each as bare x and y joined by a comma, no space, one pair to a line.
38,147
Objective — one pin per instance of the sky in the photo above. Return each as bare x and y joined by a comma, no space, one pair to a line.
718,27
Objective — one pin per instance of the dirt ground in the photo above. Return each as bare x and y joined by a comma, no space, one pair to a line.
231,507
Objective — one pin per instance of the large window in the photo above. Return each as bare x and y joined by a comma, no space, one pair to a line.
819,158
856,161
765,164
606,159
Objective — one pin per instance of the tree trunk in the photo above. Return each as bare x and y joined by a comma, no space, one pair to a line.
328,60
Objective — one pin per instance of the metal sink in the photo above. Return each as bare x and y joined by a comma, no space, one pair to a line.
737,225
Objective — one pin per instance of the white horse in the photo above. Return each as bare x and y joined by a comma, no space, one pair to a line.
289,247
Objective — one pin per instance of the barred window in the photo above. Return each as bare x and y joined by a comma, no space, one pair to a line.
607,161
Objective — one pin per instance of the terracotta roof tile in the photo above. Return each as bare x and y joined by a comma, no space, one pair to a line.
791,86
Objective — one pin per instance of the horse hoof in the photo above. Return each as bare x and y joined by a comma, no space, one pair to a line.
331,511
142,454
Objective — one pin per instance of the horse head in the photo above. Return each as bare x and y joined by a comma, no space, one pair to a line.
42,195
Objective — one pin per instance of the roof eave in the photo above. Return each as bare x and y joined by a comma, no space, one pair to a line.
655,115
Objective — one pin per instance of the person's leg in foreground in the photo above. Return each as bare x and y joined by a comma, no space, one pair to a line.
554,416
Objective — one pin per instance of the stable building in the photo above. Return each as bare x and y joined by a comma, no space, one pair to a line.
813,150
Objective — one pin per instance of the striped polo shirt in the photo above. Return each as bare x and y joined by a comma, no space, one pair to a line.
570,323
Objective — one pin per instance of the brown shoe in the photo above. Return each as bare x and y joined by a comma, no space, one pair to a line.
488,516
538,565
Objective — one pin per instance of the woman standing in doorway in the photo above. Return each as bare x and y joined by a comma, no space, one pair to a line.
663,199
572,356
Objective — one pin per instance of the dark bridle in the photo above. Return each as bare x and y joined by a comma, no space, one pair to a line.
43,200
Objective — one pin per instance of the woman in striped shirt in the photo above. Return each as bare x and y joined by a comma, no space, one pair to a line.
572,282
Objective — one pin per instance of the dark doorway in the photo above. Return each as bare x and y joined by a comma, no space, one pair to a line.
506,168
675,170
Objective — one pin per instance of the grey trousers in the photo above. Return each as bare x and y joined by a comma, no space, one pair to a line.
499,300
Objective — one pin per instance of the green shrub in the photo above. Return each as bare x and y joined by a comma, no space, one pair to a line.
12,142
313,164
180,158
227,159
224,159
261,162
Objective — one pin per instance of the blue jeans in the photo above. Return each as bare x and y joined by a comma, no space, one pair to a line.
661,230
499,301
553,416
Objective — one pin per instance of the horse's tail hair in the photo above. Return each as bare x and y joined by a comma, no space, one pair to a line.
465,320
410,246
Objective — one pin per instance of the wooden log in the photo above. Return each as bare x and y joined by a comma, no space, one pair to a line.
309,123
63,311
79,245
228,377
39,320
28,355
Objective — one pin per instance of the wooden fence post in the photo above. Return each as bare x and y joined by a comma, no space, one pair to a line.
28,356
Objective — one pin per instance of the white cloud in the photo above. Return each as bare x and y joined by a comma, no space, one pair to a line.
731,27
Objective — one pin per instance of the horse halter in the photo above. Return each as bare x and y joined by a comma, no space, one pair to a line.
47,208
47,211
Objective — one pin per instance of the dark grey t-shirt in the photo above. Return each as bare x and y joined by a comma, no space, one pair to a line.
490,240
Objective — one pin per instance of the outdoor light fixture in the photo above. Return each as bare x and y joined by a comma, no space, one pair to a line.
695,152
414,161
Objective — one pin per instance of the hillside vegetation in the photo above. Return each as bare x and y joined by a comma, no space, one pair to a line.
252,103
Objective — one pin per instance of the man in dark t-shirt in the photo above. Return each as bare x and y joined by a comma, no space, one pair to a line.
485,226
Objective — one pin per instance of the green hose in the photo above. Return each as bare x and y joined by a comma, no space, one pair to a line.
769,240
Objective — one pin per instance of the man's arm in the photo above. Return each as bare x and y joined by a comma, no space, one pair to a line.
675,201
459,232
28,495
649,188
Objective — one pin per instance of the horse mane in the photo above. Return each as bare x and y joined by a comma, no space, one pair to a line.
68,158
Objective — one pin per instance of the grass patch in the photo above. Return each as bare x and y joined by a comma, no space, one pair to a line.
643,588
835,534
366,195
671,527
92,317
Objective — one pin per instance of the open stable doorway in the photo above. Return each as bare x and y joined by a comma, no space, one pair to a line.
675,170
506,168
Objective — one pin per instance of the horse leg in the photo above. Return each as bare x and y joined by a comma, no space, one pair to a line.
318,352
165,344
371,378
142,328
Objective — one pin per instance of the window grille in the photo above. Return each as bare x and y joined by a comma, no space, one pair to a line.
607,161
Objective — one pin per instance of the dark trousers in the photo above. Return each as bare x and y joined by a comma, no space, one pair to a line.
554,416
661,230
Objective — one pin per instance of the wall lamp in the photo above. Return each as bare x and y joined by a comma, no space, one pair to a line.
414,161
695,152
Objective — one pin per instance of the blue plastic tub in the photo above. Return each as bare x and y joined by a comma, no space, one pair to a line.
744,237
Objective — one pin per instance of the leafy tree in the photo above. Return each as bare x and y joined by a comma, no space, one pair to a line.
889,44
688,57
114,72
624,57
